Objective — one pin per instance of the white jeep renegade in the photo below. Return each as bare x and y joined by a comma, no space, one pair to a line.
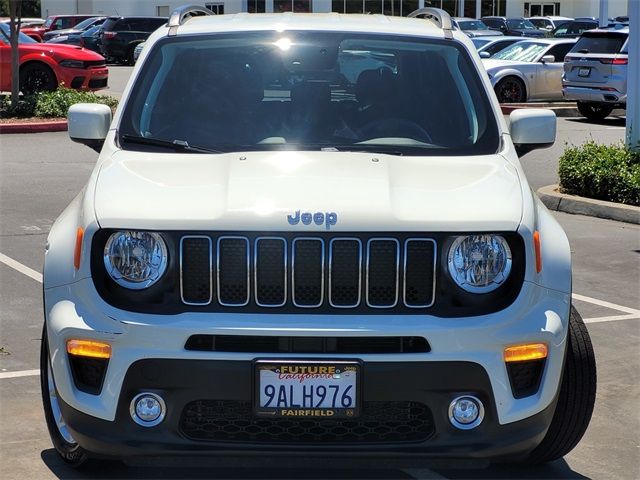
311,233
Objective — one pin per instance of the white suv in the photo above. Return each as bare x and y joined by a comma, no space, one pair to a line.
311,233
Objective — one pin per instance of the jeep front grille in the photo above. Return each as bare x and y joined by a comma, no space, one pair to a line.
378,272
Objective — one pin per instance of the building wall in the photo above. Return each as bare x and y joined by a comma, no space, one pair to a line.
569,8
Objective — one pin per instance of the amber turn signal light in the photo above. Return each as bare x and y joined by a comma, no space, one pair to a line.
77,253
523,353
536,246
88,348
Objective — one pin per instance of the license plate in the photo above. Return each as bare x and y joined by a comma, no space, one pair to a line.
584,72
316,389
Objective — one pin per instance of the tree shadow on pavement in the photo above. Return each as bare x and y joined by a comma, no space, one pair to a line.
252,469
559,469
612,121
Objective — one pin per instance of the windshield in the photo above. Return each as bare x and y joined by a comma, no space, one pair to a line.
520,24
472,25
311,91
85,23
5,33
48,22
480,42
522,52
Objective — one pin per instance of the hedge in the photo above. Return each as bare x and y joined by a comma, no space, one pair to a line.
602,172
51,104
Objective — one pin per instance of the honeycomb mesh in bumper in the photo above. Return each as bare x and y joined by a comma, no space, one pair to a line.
380,422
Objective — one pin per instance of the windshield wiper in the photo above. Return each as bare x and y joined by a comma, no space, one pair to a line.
176,145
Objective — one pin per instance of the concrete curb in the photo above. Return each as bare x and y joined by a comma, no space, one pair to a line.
561,202
39,127
564,110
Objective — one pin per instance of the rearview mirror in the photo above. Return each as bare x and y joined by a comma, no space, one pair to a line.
532,128
548,59
89,124
485,55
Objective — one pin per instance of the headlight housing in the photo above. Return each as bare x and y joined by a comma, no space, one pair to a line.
72,63
135,260
479,263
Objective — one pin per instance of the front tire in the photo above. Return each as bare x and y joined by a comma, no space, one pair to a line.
72,453
511,90
594,111
577,396
37,77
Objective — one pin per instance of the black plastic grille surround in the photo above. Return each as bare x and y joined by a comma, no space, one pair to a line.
380,422
423,282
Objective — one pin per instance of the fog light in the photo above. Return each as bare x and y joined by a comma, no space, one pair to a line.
147,409
466,412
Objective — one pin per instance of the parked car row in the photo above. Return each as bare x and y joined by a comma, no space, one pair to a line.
591,70
536,27
46,66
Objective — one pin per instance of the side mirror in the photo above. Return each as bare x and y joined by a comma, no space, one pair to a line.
532,128
548,59
485,55
89,124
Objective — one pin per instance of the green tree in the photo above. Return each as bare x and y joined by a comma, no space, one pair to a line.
15,10
30,8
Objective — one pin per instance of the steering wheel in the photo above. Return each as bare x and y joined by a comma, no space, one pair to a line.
393,127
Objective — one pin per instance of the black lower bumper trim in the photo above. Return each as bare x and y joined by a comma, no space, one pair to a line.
182,382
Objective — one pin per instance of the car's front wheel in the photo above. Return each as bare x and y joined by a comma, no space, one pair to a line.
64,443
37,77
577,395
594,111
511,90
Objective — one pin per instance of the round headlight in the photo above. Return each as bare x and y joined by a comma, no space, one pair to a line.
135,260
479,263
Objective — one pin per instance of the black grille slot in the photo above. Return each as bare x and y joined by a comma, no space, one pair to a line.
233,271
419,265
88,373
383,257
308,272
380,422
525,377
196,270
274,344
345,272
271,271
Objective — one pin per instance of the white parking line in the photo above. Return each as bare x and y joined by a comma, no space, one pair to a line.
632,313
10,262
602,303
612,318
22,373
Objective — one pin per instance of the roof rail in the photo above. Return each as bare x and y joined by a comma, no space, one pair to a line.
437,14
184,13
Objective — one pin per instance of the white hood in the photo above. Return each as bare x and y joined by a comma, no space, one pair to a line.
257,191
491,64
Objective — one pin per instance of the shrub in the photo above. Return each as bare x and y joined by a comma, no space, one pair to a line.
57,103
603,172
51,104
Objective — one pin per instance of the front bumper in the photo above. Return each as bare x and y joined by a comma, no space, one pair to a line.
465,357
179,382
593,95
85,79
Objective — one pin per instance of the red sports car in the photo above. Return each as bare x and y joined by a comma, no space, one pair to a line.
45,66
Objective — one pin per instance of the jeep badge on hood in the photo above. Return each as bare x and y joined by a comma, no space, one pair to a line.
329,219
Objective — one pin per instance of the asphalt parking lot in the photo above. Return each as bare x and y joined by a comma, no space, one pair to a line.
41,173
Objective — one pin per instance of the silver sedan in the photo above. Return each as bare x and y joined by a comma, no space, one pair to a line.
529,70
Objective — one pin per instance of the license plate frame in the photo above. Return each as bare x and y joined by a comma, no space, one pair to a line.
301,412
584,71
